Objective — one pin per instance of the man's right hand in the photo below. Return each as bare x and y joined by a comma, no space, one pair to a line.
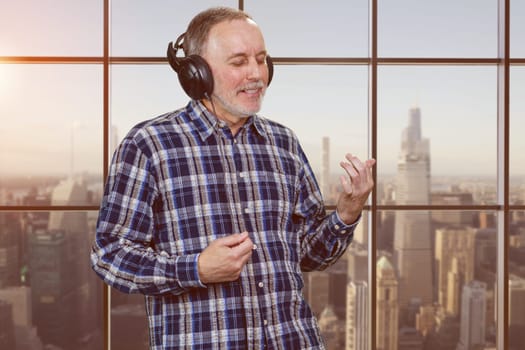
224,259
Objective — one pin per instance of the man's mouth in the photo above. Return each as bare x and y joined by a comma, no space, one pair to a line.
252,89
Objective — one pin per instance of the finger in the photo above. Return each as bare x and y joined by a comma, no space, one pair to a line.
234,239
347,185
370,162
349,168
245,247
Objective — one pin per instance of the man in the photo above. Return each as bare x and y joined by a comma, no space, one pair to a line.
212,211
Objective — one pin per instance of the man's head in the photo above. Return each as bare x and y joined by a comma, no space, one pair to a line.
233,47
196,35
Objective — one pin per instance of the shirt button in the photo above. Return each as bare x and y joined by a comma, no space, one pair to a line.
343,232
254,246
337,227
261,284
247,210
265,322
241,174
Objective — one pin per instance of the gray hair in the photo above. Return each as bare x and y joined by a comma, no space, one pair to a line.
196,36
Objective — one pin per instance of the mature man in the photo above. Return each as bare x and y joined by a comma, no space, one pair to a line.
213,212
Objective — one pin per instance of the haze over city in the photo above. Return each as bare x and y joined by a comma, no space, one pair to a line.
437,284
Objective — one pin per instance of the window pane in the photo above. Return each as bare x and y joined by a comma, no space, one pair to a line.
437,133
129,323
330,120
140,29
517,29
313,29
517,281
143,92
51,28
517,142
46,280
448,28
52,123
435,279
139,93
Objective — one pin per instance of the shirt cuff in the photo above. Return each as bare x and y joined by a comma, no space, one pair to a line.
187,272
338,226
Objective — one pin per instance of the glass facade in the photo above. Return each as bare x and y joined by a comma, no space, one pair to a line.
426,89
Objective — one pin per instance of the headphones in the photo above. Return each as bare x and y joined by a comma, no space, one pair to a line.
194,72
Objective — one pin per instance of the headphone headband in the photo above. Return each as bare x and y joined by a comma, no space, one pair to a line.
172,53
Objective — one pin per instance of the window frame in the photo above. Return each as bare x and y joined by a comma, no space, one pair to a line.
503,206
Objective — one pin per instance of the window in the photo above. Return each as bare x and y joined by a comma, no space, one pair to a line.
433,92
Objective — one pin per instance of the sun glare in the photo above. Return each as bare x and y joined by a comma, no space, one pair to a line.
4,78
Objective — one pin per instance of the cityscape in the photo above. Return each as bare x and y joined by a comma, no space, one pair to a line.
436,273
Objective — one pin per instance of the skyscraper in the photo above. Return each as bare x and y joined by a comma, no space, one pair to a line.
357,316
387,309
59,275
454,256
516,311
325,168
7,334
412,242
473,308
9,246
332,329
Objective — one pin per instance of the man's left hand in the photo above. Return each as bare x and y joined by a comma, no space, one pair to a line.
356,188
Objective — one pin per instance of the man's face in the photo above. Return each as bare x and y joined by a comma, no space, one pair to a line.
236,54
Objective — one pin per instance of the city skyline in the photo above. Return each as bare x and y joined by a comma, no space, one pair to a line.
52,92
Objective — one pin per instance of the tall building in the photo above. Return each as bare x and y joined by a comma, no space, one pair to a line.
337,282
473,308
317,290
412,239
387,310
357,316
451,292
325,168
20,298
332,329
9,250
516,311
485,255
52,286
61,292
7,334
357,260
454,257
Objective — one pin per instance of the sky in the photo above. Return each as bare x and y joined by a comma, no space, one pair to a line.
51,115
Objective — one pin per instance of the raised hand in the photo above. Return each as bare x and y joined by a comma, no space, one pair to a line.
357,185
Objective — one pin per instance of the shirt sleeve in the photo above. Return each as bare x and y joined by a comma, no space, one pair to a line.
324,237
122,253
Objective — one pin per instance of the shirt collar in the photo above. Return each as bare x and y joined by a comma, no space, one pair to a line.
206,123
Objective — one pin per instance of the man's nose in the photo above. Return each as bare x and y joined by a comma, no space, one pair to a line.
255,69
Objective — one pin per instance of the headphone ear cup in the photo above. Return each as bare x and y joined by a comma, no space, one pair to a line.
269,63
195,77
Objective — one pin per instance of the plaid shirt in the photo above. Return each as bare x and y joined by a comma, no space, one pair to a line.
180,181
